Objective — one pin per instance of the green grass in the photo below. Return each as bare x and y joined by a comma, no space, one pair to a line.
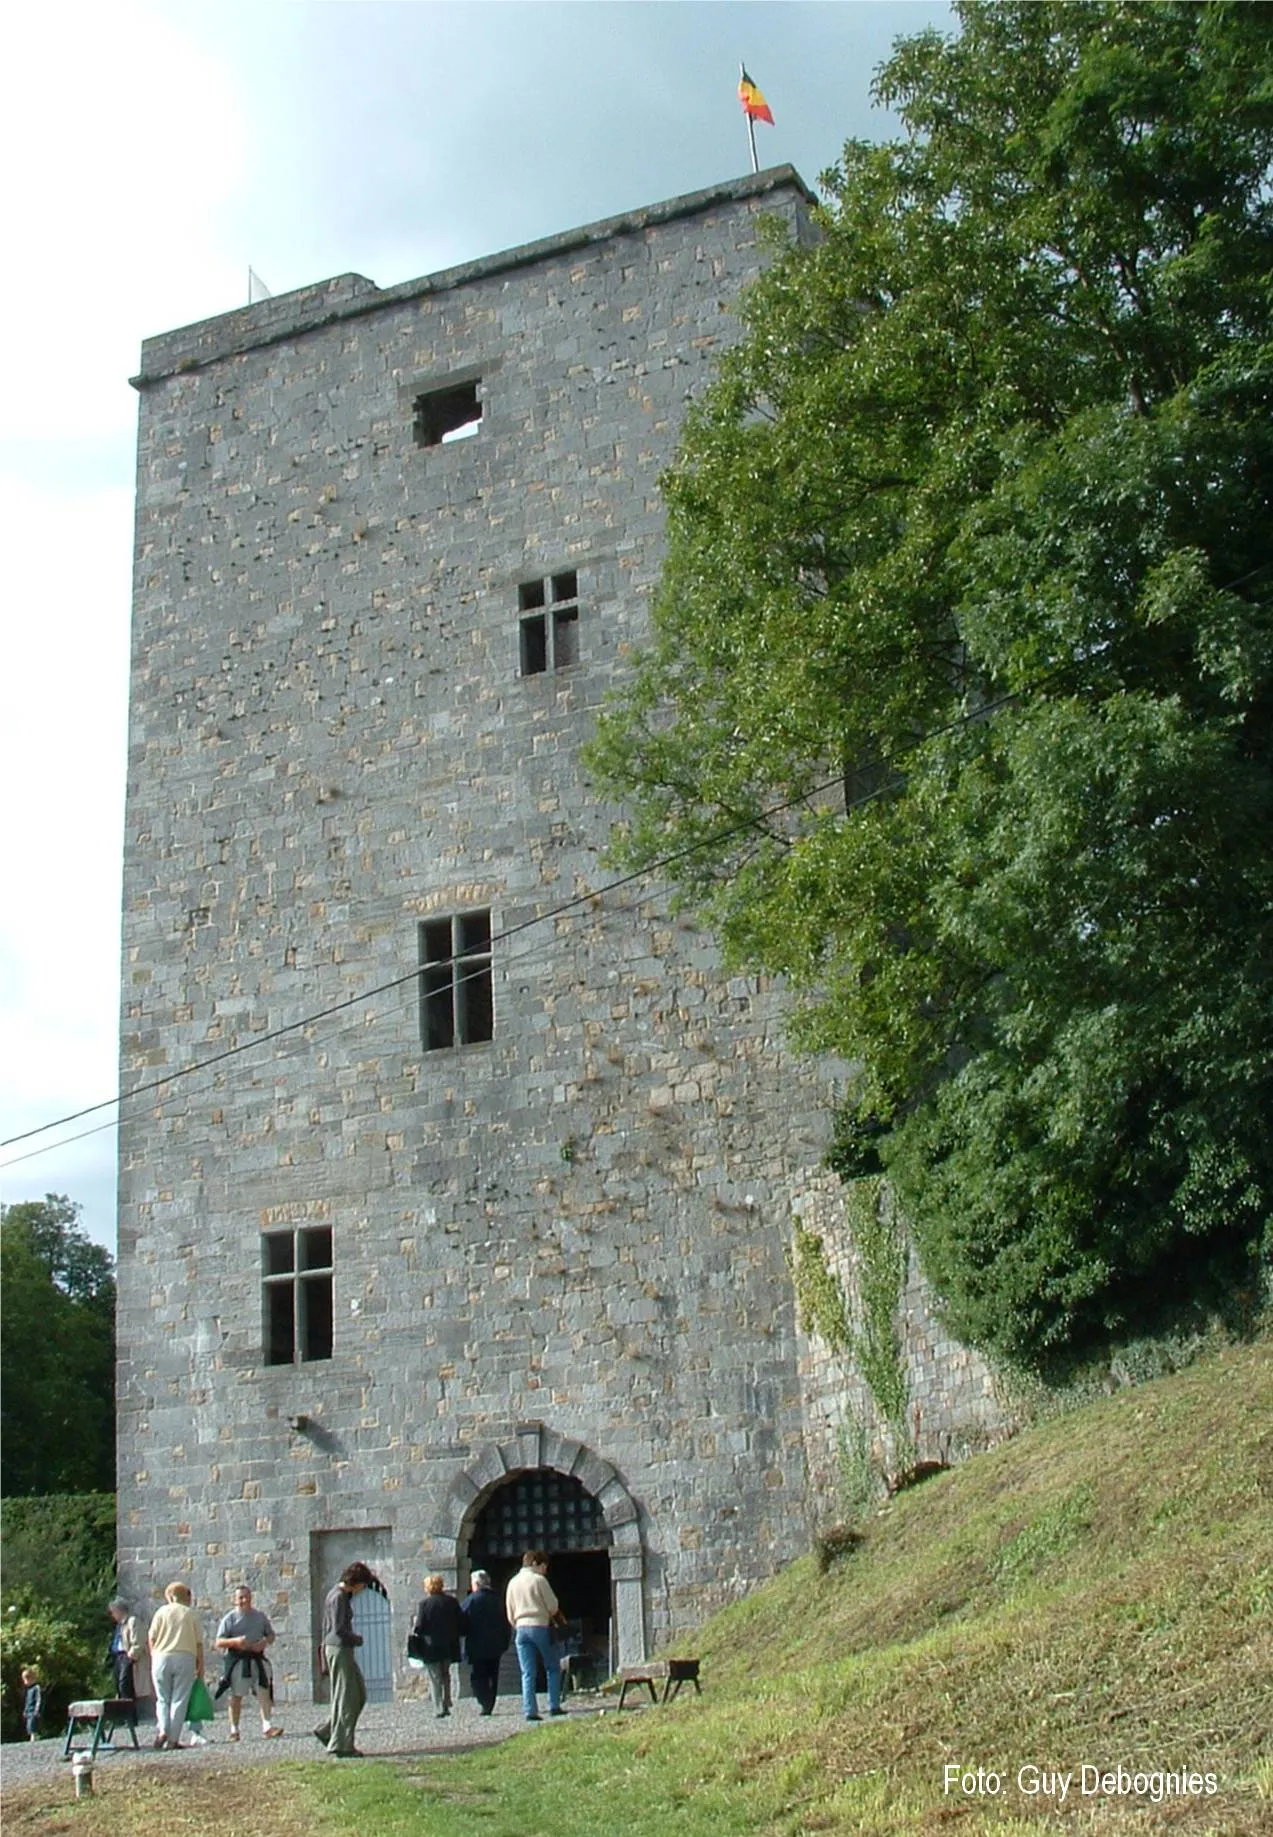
1098,1591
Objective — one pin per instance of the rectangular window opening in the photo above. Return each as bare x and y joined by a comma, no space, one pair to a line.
549,639
474,931
297,1307
316,1248
457,1006
565,637
443,415
315,1309
280,1324
534,646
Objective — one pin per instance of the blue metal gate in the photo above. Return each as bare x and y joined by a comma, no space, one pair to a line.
374,1620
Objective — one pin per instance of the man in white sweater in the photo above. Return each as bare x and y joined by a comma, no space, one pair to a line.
532,1608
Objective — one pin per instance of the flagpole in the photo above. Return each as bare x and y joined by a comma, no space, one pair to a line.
751,126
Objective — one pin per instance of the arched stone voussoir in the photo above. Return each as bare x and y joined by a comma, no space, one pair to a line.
520,1453
560,1452
486,1471
464,1489
618,1504
594,1474
626,1536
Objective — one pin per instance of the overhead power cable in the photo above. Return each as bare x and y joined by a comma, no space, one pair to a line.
968,718
517,963
718,836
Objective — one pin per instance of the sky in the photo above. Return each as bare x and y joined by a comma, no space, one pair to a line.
153,151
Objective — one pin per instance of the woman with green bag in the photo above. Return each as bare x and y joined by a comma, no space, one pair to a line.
199,1710
176,1660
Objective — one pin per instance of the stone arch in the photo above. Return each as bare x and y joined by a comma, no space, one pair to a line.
534,1446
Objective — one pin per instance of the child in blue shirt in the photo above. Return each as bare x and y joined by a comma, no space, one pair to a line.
32,1703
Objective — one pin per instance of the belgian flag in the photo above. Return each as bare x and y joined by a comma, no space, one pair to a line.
754,105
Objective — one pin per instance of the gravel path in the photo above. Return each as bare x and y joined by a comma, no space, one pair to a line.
407,1727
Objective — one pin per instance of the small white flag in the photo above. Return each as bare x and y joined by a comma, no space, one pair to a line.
257,290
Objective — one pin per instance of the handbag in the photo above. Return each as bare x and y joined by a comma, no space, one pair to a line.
417,1648
199,1708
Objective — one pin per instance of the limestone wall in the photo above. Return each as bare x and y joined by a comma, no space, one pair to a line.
571,1235
951,1407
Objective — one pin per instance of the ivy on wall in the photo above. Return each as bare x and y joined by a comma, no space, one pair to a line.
871,1342
871,1216
820,1305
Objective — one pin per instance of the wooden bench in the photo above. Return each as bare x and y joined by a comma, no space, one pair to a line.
670,1672
106,1714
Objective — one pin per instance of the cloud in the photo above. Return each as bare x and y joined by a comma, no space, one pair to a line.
154,149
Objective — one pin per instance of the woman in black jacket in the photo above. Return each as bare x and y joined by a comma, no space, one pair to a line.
435,1638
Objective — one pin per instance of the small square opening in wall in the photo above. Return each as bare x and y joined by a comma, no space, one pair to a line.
451,413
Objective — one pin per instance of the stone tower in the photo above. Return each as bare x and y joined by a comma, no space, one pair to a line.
468,1232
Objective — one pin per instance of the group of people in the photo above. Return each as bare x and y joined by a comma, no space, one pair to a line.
529,1613
165,1659
443,1629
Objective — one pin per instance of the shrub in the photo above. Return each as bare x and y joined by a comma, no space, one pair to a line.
68,1665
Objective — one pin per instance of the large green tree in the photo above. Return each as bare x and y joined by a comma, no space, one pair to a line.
958,706
57,1352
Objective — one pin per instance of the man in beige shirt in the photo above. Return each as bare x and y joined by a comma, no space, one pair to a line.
532,1609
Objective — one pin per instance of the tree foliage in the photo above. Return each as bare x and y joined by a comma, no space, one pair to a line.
69,1666
59,1553
57,1352
957,709
59,1574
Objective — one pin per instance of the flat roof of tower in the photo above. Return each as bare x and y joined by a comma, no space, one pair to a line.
350,296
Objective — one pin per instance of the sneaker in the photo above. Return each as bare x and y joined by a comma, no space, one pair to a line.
534,1718
272,1731
559,1712
197,1741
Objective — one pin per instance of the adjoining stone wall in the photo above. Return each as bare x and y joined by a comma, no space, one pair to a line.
951,1406
575,1230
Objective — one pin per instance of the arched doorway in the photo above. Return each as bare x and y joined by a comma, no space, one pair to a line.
540,1509
536,1449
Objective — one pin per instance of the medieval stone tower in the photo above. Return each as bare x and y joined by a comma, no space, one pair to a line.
467,1234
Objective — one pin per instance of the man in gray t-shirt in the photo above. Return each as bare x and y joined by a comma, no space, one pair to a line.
244,1635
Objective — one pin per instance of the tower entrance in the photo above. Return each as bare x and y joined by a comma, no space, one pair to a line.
540,1509
541,1490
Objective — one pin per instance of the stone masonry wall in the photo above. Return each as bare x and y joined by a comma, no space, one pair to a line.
562,1246
952,1407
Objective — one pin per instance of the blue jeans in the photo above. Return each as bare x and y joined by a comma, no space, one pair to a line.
534,1643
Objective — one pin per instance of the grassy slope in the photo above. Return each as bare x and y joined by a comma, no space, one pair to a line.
1098,1591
